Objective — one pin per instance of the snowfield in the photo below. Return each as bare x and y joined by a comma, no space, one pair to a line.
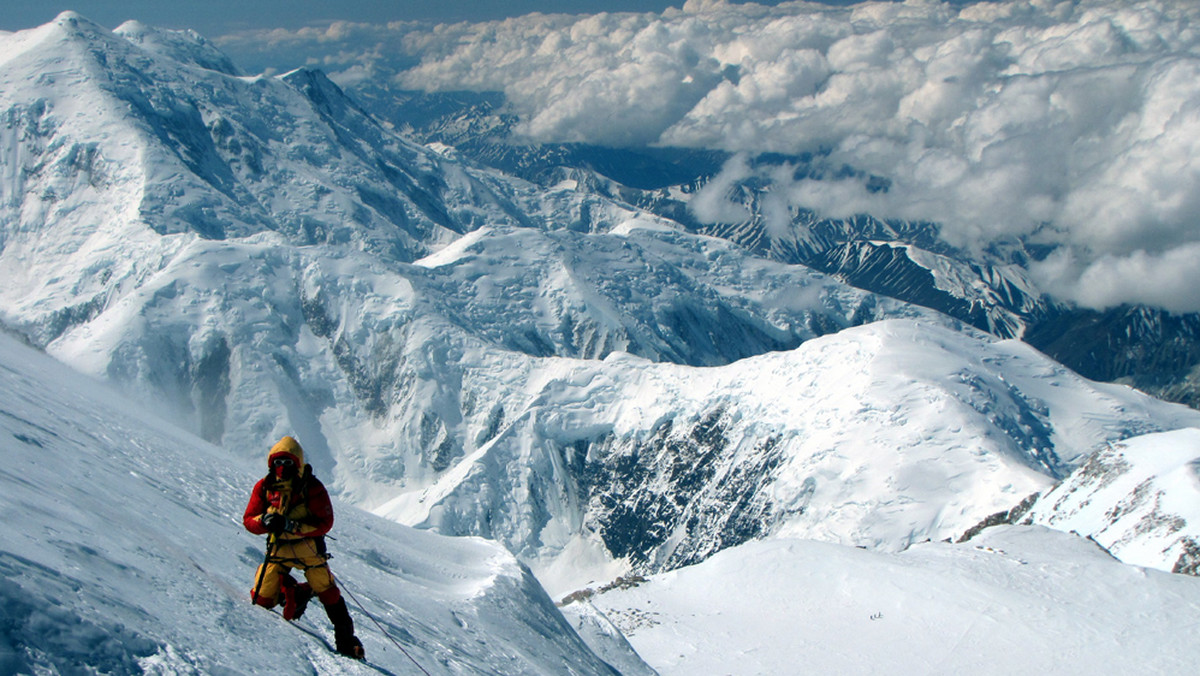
1014,600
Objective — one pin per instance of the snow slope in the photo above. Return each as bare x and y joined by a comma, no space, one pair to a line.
122,551
1015,600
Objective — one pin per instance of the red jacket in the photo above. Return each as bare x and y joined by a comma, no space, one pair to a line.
302,500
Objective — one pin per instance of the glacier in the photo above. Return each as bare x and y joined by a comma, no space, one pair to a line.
1020,599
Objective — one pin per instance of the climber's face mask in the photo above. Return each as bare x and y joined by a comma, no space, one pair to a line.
283,467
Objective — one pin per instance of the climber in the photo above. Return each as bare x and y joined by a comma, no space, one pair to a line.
292,508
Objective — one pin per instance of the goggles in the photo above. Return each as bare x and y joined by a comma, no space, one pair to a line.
283,462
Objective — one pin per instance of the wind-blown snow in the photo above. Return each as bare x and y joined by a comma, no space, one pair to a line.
122,551
1016,600
1072,123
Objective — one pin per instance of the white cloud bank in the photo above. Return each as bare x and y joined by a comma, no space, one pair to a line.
1073,123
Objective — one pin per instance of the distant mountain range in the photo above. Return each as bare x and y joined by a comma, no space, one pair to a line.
1152,349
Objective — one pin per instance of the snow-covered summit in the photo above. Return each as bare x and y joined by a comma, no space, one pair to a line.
118,147
184,46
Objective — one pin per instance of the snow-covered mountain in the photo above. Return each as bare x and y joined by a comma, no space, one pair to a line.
881,436
588,382
235,251
122,552
905,260
1150,348
152,142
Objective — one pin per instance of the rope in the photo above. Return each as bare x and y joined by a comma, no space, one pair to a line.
381,629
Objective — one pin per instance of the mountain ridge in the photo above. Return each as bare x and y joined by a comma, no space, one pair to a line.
907,261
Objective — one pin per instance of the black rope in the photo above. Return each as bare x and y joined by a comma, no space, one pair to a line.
382,630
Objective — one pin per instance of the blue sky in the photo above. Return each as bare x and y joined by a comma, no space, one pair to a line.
217,17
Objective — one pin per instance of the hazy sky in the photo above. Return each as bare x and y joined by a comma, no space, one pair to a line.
212,18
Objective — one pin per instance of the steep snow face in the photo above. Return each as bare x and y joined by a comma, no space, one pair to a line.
1139,498
1017,600
880,436
122,551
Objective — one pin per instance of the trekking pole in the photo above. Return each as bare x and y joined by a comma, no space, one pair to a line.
262,571
381,629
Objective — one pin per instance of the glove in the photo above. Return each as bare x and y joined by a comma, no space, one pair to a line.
276,523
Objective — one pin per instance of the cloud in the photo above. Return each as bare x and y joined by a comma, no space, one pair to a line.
715,203
1168,280
1074,124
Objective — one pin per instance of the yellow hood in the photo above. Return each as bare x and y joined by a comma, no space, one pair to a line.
290,447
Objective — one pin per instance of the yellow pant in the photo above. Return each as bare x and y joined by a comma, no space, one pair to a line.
288,554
